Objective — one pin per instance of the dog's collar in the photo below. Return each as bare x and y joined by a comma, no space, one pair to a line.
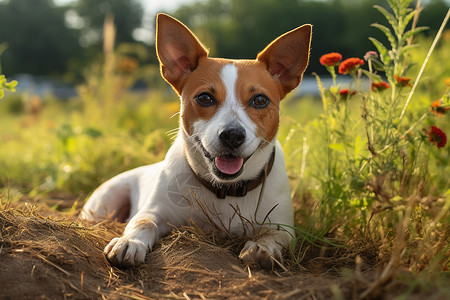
241,188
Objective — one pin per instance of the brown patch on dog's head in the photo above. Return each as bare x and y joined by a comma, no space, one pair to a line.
186,66
204,79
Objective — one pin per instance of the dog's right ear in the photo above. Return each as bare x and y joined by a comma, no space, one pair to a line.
178,50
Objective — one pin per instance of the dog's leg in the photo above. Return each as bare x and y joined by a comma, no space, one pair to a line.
139,237
267,247
116,198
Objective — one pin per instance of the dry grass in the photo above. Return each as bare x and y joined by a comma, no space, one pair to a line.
59,257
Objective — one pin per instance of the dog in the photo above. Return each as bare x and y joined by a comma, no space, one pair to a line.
225,170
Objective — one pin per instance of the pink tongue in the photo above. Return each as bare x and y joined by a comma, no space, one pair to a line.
229,165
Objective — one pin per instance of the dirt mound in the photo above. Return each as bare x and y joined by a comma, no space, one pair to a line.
48,258
54,258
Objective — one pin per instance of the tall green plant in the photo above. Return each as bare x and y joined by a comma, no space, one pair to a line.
379,176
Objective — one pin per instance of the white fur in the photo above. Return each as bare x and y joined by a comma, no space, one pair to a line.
168,194
231,112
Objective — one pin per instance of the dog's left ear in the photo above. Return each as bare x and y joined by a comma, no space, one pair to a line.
178,49
287,57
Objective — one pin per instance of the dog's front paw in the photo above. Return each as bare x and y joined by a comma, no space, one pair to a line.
263,254
126,252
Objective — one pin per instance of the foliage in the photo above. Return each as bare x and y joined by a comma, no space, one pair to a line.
38,40
76,146
240,29
377,169
44,39
4,85
127,17
56,40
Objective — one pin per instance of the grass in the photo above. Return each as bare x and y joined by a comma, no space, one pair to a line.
370,191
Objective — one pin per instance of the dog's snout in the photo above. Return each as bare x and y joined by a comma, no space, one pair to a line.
233,137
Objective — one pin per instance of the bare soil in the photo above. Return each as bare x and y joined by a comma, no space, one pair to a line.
49,254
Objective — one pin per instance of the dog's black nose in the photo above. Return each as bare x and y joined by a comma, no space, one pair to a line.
232,137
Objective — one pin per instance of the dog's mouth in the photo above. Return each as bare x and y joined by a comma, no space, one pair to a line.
229,164
225,166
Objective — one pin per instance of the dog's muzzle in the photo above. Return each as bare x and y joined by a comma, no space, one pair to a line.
230,166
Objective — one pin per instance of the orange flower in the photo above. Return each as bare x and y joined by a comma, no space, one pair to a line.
437,137
330,59
438,109
380,86
447,82
402,81
344,93
350,64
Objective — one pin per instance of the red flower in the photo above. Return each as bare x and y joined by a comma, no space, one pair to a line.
438,109
380,86
330,59
437,137
344,93
349,65
402,81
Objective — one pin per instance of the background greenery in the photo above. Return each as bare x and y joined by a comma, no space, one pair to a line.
44,39
48,145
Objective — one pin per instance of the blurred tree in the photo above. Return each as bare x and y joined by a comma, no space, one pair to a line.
127,17
38,41
240,29
43,41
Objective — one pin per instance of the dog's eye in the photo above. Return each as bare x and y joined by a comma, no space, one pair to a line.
259,101
205,99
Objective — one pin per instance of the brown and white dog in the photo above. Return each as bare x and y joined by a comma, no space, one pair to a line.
225,169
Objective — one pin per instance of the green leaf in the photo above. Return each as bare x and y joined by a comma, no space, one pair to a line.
337,147
389,17
334,89
406,20
372,76
384,55
377,65
407,48
404,4
387,33
394,5
412,32
11,85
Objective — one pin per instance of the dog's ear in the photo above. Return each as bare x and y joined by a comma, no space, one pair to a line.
287,57
178,50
